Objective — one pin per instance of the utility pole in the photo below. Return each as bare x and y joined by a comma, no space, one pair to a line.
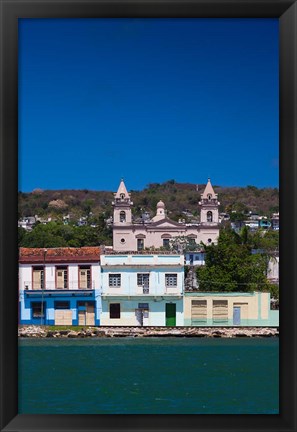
43,283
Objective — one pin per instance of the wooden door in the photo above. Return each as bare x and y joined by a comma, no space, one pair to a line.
63,317
90,314
37,279
61,278
82,317
84,278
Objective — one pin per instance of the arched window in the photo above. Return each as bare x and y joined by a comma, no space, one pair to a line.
209,216
122,216
209,197
122,196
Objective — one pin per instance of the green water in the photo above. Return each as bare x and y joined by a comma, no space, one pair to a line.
149,376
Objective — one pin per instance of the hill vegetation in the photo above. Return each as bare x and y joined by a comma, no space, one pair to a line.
181,199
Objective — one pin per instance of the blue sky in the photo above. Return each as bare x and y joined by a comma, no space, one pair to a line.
148,100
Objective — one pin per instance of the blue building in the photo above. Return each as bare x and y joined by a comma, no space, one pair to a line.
59,286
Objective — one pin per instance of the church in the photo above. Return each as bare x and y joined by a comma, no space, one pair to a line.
158,231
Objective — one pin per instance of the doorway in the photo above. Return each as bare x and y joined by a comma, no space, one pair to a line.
236,315
170,314
86,313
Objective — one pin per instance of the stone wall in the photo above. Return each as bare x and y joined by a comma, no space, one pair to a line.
93,332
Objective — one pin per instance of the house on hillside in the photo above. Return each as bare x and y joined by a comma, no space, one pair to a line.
27,223
142,289
129,235
275,221
59,286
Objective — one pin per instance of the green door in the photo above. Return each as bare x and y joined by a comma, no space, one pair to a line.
170,314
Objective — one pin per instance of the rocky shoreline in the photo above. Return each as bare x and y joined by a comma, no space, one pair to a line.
107,332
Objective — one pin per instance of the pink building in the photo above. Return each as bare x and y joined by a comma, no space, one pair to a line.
157,232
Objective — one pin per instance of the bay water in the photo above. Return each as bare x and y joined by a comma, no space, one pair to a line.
149,376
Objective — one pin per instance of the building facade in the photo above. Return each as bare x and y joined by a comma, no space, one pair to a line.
142,289
59,286
158,231
229,309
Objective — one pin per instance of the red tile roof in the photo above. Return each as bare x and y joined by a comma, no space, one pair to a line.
60,255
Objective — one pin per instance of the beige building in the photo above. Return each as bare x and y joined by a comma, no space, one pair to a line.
158,231
228,309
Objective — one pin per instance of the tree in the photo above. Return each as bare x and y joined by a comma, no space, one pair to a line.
21,235
237,217
56,234
182,244
230,265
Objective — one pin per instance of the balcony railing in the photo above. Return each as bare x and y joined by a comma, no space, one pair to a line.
51,285
142,291
147,251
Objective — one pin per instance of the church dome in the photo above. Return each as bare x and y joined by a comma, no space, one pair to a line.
160,204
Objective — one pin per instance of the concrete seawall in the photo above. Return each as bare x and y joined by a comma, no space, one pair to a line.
93,332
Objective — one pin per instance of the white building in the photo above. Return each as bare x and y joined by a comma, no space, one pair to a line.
142,289
195,258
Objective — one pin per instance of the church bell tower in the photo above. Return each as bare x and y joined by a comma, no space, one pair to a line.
122,214
209,206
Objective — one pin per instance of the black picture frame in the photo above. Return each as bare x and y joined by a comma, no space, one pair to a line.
286,12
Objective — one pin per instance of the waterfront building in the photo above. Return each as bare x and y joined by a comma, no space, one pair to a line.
142,289
160,230
229,309
59,286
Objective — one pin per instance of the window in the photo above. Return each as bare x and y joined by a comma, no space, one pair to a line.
140,244
37,310
38,278
143,279
220,310
166,243
114,280
62,305
122,196
84,274
171,280
209,216
62,277
85,304
123,240
122,216
199,311
209,197
115,310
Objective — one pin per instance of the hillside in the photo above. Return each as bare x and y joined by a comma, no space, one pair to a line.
178,198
